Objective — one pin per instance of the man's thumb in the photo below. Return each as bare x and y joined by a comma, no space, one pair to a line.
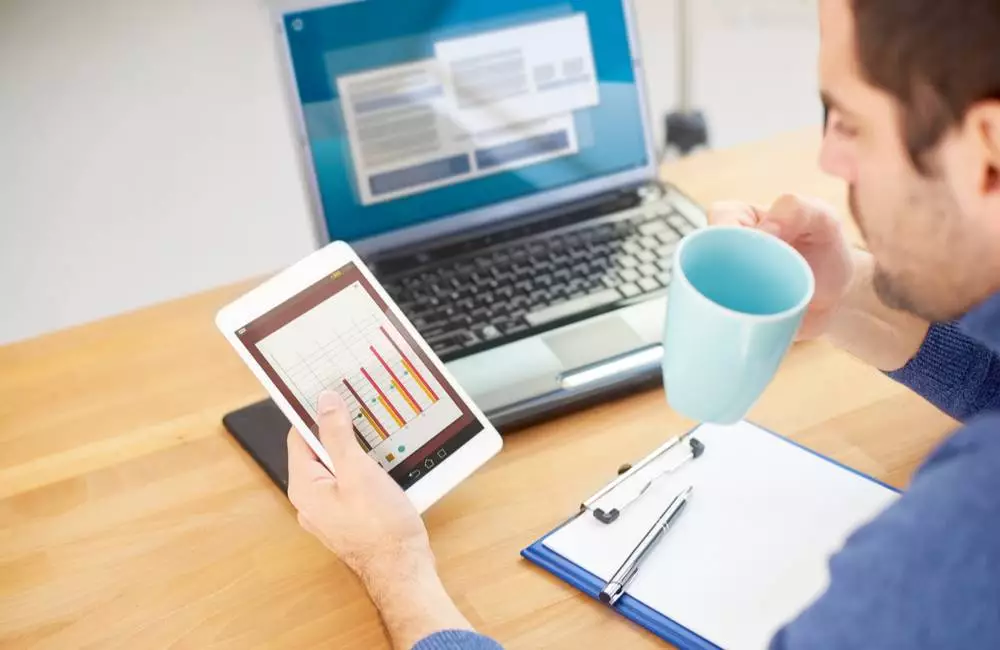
335,430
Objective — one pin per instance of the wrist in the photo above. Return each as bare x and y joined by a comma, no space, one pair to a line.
396,571
854,297
411,599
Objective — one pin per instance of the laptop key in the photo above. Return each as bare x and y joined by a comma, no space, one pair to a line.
570,307
630,289
649,243
629,275
429,333
652,227
490,332
666,250
536,248
516,327
649,284
623,228
646,256
627,261
448,340
663,277
676,220
648,270
668,237
632,246
665,263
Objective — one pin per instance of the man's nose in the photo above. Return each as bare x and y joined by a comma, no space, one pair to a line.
835,157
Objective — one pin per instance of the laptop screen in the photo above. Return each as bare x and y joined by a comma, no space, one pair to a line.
418,110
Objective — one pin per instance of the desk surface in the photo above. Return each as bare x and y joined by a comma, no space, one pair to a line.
128,517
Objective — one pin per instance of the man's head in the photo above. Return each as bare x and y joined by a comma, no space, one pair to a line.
912,89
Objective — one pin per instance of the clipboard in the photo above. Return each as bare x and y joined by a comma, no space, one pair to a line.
679,613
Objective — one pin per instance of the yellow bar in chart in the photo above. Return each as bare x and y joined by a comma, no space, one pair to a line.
420,380
406,397
392,411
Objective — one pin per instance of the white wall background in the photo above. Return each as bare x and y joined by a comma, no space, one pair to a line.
145,149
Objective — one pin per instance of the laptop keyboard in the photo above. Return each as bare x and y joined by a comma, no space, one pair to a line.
519,288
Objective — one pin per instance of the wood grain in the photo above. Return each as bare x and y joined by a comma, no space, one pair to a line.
129,519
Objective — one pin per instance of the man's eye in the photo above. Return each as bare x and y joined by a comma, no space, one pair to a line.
844,129
840,126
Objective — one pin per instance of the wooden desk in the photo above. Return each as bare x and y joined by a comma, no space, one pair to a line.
128,517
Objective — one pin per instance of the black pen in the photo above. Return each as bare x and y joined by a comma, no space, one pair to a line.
619,582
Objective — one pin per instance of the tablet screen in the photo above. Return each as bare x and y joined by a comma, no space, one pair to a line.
338,334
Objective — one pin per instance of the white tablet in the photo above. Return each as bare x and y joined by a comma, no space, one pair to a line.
326,323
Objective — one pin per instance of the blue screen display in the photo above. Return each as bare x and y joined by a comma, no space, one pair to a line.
421,109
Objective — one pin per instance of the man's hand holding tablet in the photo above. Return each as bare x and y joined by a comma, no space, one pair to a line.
380,429
364,517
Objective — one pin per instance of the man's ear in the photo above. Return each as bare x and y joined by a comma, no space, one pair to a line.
983,122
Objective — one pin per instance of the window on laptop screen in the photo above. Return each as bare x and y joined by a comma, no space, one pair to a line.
417,110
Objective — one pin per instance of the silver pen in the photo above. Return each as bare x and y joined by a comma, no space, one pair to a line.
619,582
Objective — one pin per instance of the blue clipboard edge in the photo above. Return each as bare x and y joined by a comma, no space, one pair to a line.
632,609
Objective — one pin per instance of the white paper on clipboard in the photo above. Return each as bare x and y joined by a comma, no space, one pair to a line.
751,549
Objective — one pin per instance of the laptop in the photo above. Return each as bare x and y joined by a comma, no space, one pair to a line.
493,162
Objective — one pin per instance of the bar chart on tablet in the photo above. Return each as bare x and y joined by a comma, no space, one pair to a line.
348,345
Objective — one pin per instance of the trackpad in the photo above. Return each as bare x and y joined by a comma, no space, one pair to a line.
592,342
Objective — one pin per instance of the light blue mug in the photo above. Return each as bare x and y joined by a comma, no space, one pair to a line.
735,303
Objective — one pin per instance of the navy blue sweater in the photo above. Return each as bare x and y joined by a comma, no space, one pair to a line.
926,573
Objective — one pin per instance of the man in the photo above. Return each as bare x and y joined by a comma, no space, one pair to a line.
912,89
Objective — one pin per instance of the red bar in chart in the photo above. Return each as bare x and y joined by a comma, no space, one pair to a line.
384,399
411,368
399,385
379,429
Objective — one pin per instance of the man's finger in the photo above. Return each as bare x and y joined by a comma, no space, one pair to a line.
304,469
302,460
298,449
734,213
335,429
792,217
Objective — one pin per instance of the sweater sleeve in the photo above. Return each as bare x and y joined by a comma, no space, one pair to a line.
457,640
922,575
954,372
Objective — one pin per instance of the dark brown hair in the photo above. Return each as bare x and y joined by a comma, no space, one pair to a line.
936,57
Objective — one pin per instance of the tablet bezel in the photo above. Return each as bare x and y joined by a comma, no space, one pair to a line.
448,472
